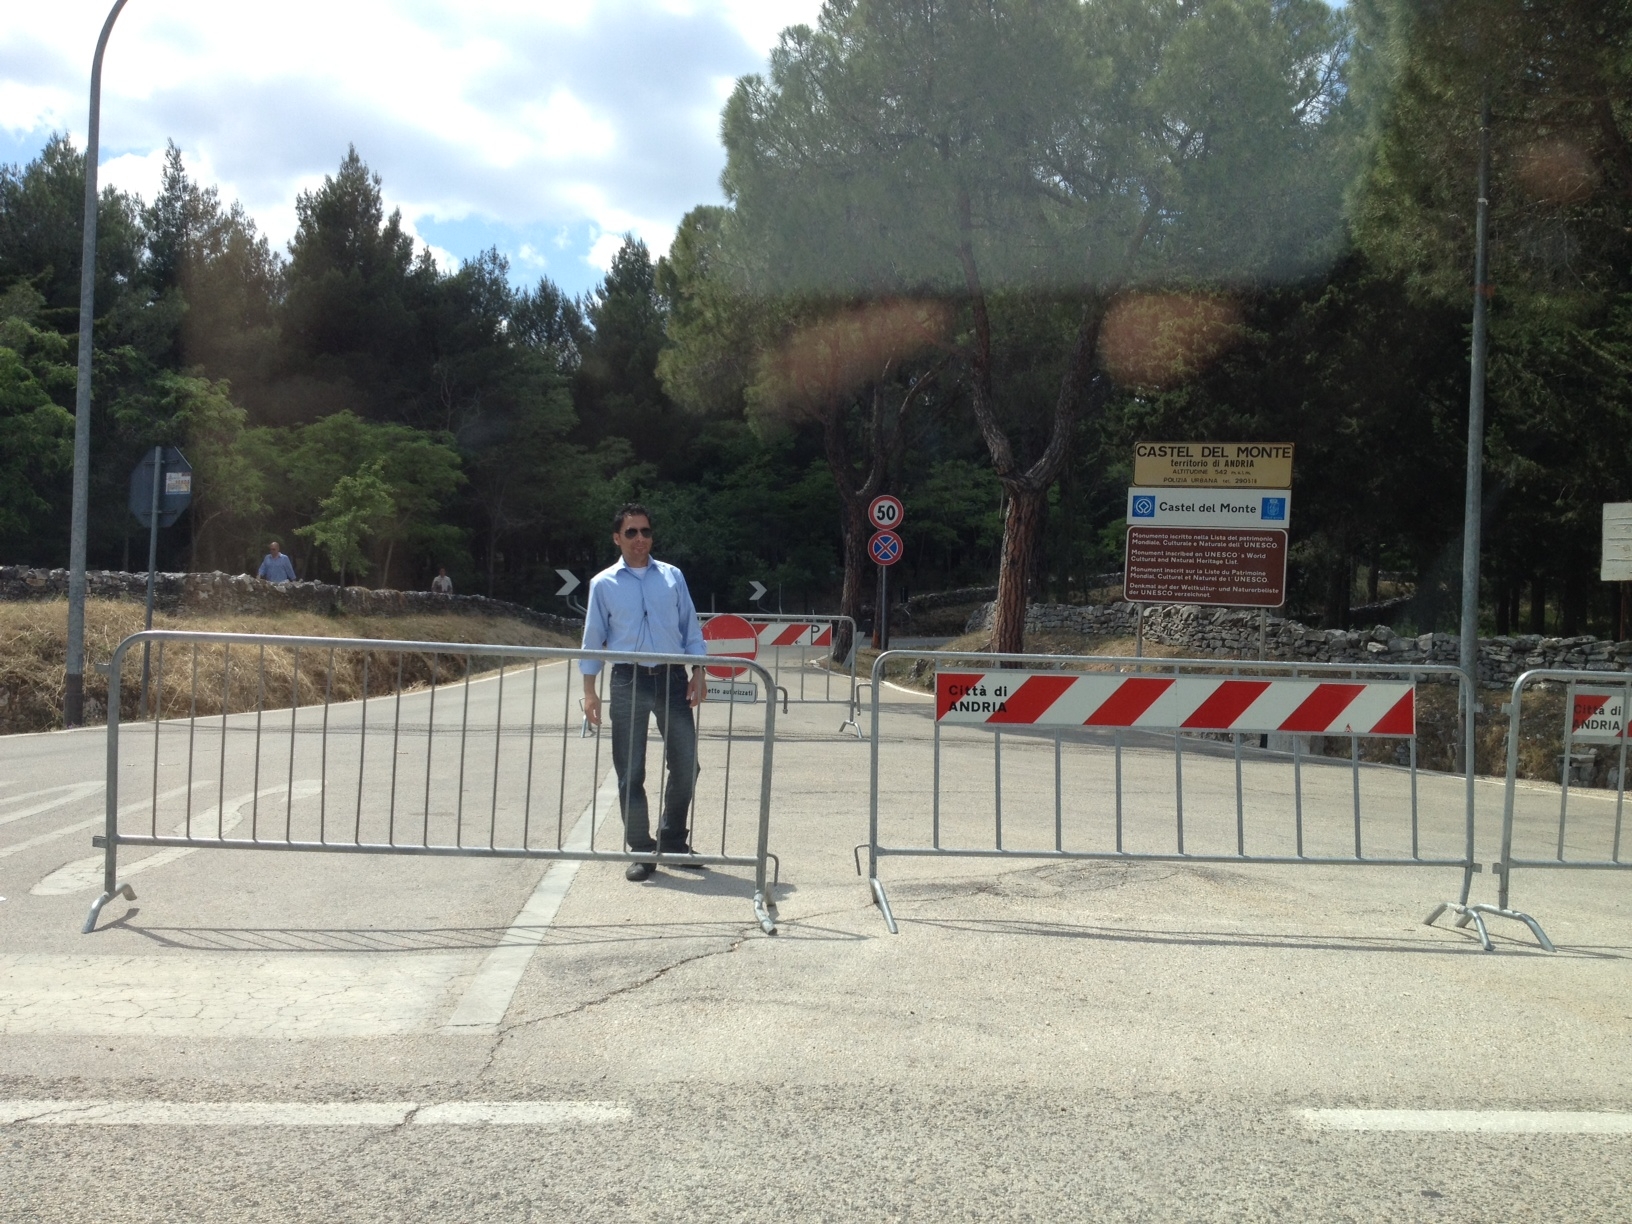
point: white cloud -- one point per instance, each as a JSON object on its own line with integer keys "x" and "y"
{"x": 590, "y": 117}
{"x": 602, "y": 250}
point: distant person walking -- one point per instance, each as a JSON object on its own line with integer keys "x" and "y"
{"x": 275, "y": 567}
{"x": 641, "y": 605}
{"x": 442, "y": 584}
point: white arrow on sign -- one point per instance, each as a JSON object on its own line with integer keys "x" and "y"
{"x": 569, "y": 582}
{"x": 759, "y": 590}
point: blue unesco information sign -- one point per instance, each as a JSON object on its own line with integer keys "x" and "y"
{"x": 1220, "y": 508}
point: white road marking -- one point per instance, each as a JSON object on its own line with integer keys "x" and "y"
{"x": 85, "y": 874}
{"x": 481, "y": 1010}
{"x": 245, "y": 995}
{"x": 310, "y": 1113}
{"x": 1472, "y": 1121}
{"x": 520, "y": 1113}
{"x": 78, "y": 791}
{"x": 19, "y": 847}
{"x": 127, "y": 810}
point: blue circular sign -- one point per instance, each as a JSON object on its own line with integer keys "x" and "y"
{"x": 885, "y": 547}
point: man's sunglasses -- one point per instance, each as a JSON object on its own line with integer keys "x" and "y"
{"x": 630, "y": 533}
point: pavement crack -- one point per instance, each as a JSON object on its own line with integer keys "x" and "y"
{"x": 56, "y": 1111}
{"x": 510, "y": 1030}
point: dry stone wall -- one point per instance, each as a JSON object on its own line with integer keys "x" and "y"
{"x": 1230, "y": 633}
{"x": 240, "y": 594}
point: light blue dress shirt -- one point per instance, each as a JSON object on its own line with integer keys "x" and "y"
{"x": 650, "y": 613}
{"x": 278, "y": 568}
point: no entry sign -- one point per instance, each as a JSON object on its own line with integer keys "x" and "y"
{"x": 1232, "y": 568}
{"x": 885, "y": 547}
{"x": 730, "y": 635}
{"x": 886, "y": 513}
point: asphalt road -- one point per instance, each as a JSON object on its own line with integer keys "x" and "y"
{"x": 286, "y": 1036}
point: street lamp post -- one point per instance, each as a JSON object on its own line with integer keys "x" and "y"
{"x": 1473, "y": 500}
{"x": 73, "y": 694}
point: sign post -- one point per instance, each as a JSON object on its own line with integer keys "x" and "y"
{"x": 161, "y": 487}
{"x": 885, "y": 548}
{"x": 886, "y": 514}
{"x": 1616, "y": 561}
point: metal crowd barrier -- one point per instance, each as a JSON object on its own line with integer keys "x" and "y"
{"x": 1593, "y": 716}
{"x": 1067, "y": 757}
{"x": 801, "y": 651}
{"x": 410, "y": 765}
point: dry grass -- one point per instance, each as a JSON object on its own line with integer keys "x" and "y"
{"x": 33, "y": 657}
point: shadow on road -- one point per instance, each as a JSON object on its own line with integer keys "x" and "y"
{"x": 1241, "y": 939}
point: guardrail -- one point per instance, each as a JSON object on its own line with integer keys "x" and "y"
{"x": 1059, "y": 757}
{"x": 411, "y": 766}
{"x": 801, "y": 649}
{"x": 1593, "y": 715}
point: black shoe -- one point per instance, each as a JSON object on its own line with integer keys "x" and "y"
{"x": 636, "y": 872}
{"x": 682, "y": 848}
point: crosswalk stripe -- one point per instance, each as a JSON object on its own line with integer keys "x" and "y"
{"x": 1472, "y": 1121}
{"x": 309, "y": 1113}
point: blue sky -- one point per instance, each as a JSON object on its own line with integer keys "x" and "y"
{"x": 546, "y": 128}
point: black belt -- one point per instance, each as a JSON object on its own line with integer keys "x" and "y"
{"x": 651, "y": 670}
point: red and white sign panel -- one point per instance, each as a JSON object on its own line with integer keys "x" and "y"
{"x": 730, "y": 635}
{"x": 886, "y": 513}
{"x": 1599, "y": 715}
{"x": 1167, "y": 703}
{"x": 778, "y": 635}
{"x": 1236, "y": 568}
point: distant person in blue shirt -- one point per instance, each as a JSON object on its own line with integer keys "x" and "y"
{"x": 275, "y": 567}
{"x": 641, "y": 605}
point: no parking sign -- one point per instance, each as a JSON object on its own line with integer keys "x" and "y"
{"x": 885, "y": 547}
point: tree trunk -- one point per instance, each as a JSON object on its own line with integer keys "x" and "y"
{"x": 855, "y": 572}
{"x": 385, "y": 570}
{"x": 1538, "y": 604}
{"x": 1021, "y": 523}
{"x": 1573, "y": 606}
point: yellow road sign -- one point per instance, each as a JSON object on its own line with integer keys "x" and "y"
{"x": 1212, "y": 465}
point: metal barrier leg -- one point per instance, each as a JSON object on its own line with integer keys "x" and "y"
{"x": 111, "y": 887}
{"x": 124, "y": 890}
{"x": 883, "y": 903}
{"x": 1476, "y": 915}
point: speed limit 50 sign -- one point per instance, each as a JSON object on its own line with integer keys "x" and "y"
{"x": 886, "y": 513}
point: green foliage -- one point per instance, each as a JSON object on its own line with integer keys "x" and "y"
{"x": 357, "y": 508}
{"x": 934, "y": 204}
{"x": 36, "y": 434}
{"x": 903, "y": 147}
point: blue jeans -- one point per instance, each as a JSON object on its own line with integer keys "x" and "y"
{"x": 637, "y": 693}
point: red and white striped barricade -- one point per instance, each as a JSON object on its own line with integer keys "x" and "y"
{"x": 1248, "y": 753}
{"x": 1177, "y": 703}
{"x": 798, "y": 652}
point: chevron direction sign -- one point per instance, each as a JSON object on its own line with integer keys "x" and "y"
{"x": 1183, "y": 703}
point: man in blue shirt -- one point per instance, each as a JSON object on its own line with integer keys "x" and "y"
{"x": 641, "y": 605}
{"x": 275, "y": 567}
